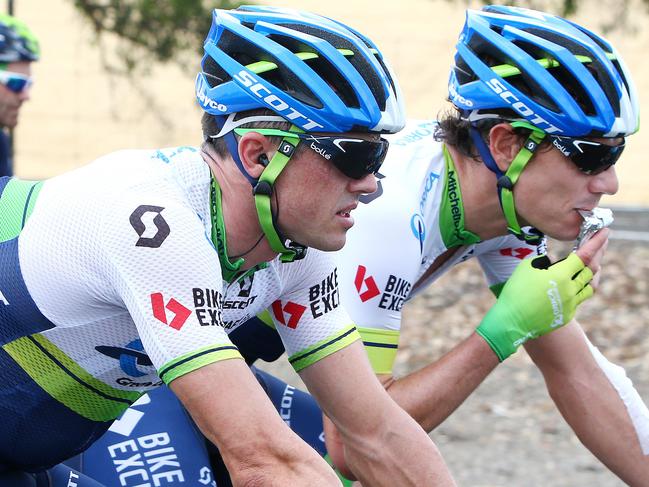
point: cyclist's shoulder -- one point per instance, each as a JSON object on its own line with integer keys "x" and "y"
{"x": 415, "y": 133}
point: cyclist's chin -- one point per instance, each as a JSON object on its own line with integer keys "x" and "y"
{"x": 563, "y": 232}
{"x": 326, "y": 243}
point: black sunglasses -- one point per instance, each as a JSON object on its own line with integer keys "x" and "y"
{"x": 589, "y": 156}
{"x": 354, "y": 157}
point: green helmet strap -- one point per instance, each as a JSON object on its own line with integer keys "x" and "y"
{"x": 263, "y": 191}
{"x": 506, "y": 183}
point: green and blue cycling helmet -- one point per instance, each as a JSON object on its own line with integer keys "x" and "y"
{"x": 546, "y": 74}
{"x": 17, "y": 42}
{"x": 311, "y": 71}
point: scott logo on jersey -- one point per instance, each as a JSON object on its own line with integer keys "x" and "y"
{"x": 144, "y": 220}
{"x": 395, "y": 290}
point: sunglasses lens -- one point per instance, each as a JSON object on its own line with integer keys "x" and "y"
{"x": 15, "y": 83}
{"x": 590, "y": 157}
{"x": 355, "y": 158}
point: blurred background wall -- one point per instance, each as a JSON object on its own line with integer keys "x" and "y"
{"x": 78, "y": 112}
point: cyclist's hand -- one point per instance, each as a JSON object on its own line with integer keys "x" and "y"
{"x": 540, "y": 297}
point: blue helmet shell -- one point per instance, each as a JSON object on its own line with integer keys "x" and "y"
{"x": 316, "y": 73}
{"x": 519, "y": 64}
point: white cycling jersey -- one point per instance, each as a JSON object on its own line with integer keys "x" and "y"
{"x": 110, "y": 284}
{"x": 401, "y": 230}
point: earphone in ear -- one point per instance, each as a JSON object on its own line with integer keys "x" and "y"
{"x": 263, "y": 160}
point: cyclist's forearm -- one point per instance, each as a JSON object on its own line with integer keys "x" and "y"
{"x": 432, "y": 393}
{"x": 597, "y": 400}
{"x": 383, "y": 446}
{"x": 256, "y": 445}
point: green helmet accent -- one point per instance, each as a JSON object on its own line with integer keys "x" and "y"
{"x": 17, "y": 41}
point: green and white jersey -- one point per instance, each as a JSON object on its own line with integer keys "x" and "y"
{"x": 110, "y": 284}
{"x": 415, "y": 216}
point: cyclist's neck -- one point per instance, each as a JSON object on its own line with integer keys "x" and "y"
{"x": 483, "y": 215}
{"x": 231, "y": 198}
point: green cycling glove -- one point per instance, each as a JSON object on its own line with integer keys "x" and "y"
{"x": 537, "y": 299}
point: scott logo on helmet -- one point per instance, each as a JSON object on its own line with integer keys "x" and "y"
{"x": 248, "y": 80}
{"x": 521, "y": 107}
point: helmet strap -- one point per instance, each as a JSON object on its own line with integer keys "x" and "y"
{"x": 263, "y": 188}
{"x": 507, "y": 180}
{"x": 263, "y": 191}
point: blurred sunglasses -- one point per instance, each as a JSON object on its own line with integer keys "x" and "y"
{"x": 353, "y": 156}
{"x": 15, "y": 82}
{"x": 589, "y": 156}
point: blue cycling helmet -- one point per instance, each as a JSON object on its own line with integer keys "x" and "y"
{"x": 311, "y": 71}
{"x": 514, "y": 63}
{"x": 316, "y": 73}
{"x": 17, "y": 42}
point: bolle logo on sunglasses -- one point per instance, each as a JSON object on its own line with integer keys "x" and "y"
{"x": 521, "y": 107}
{"x": 561, "y": 148}
{"x": 248, "y": 80}
{"x": 320, "y": 151}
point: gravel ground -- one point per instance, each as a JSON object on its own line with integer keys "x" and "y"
{"x": 509, "y": 433}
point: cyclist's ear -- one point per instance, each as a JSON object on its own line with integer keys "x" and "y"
{"x": 504, "y": 144}
{"x": 253, "y": 152}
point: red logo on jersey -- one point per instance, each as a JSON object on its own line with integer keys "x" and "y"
{"x": 519, "y": 253}
{"x": 293, "y": 310}
{"x": 372, "y": 289}
{"x": 181, "y": 313}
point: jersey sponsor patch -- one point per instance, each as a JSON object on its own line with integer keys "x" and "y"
{"x": 208, "y": 304}
{"x": 179, "y": 313}
{"x": 144, "y": 220}
{"x": 366, "y": 286}
{"x": 291, "y": 310}
{"x": 520, "y": 252}
{"x": 131, "y": 357}
{"x": 395, "y": 291}
{"x": 324, "y": 297}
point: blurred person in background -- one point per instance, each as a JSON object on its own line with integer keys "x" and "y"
{"x": 18, "y": 49}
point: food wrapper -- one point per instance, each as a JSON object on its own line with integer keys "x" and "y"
{"x": 594, "y": 220}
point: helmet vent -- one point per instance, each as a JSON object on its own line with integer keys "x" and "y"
{"x": 245, "y": 53}
{"x": 215, "y": 74}
{"x": 379, "y": 59}
{"x": 463, "y": 71}
{"x": 595, "y": 67}
{"x": 324, "y": 69}
{"x": 358, "y": 60}
{"x": 490, "y": 55}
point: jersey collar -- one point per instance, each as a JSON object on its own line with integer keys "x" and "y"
{"x": 229, "y": 270}
{"x": 452, "y": 211}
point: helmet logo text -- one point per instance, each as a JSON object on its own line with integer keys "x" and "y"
{"x": 275, "y": 102}
{"x": 521, "y": 107}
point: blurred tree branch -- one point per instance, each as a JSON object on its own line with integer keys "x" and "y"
{"x": 151, "y": 31}
{"x": 135, "y": 35}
